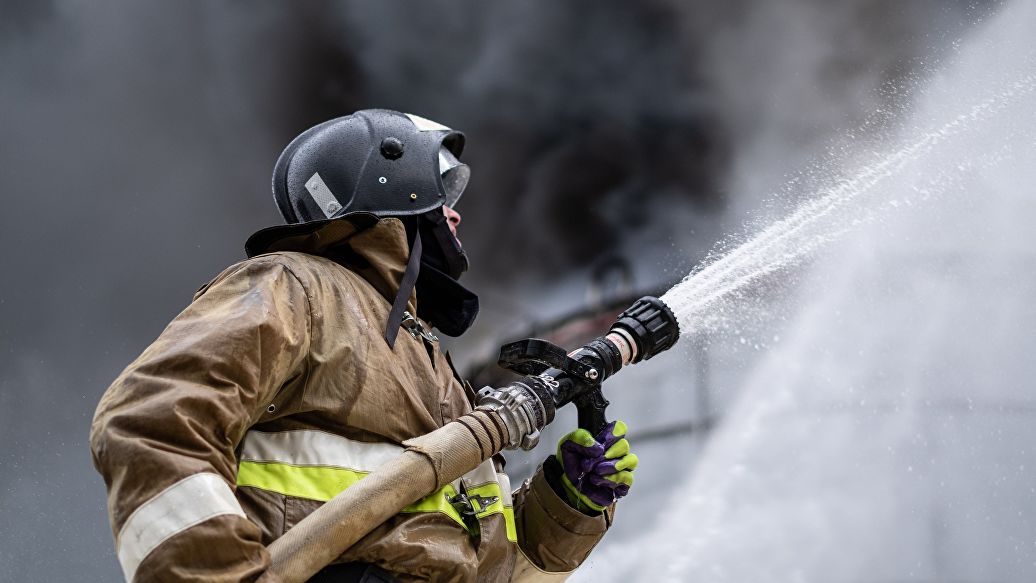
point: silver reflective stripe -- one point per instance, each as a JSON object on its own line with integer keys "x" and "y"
{"x": 426, "y": 125}
{"x": 323, "y": 196}
{"x": 186, "y": 503}
{"x": 505, "y": 488}
{"x": 485, "y": 473}
{"x": 316, "y": 448}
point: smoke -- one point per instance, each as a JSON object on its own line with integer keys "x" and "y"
{"x": 584, "y": 111}
{"x": 139, "y": 138}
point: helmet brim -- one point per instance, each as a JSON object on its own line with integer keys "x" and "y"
{"x": 310, "y": 237}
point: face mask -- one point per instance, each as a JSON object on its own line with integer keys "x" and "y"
{"x": 441, "y": 249}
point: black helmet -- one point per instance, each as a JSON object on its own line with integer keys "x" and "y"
{"x": 378, "y": 161}
{"x": 386, "y": 164}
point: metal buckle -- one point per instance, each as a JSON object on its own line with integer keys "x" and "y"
{"x": 414, "y": 327}
{"x": 462, "y": 504}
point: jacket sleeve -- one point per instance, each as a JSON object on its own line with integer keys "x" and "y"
{"x": 553, "y": 537}
{"x": 165, "y": 432}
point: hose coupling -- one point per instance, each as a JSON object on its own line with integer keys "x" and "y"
{"x": 524, "y": 406}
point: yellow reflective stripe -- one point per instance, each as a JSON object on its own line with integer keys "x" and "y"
{"x": 512, "y": 530}
{"x": 313, "y": 482}
{"x": 497, "y": 507}
{"x": 438, "y": 502}
{"x": 323, "y": 483}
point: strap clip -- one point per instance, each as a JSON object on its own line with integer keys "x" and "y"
{"x": 414, "y": 327}
{"x": 462, "y": 504}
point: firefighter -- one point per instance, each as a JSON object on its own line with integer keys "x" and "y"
{"x": 296, "y": 372}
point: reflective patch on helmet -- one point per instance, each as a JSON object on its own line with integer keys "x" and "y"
{"x": 323, "y": 196}
{"x": 426, "y": 125}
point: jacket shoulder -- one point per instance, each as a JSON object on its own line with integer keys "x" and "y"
{"x": 303, "y": 267}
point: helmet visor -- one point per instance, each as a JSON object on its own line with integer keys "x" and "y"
{"x": 455, "y": 175}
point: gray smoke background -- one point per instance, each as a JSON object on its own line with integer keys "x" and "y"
{"x": 138, "y": 138}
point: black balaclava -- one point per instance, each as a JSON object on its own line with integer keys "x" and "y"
{"x": 441, "y": 299}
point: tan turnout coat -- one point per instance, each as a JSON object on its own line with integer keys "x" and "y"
{"x": 275, "y": 389}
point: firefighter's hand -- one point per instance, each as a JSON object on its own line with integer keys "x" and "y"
{"x": 597, "y": 470}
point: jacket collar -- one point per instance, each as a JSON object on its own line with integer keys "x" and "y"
{"x": 376, "y": 249}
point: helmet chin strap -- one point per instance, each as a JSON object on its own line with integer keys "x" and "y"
{"x": 406, "y": 287}
{"x": 444, "y": 259}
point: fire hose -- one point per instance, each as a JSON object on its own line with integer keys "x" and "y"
{"x": 510, "y": 417}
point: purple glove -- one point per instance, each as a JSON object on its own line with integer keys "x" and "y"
{"x": 597, "y": 472}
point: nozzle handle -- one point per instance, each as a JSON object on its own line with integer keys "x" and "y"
{"x": 532, "y": 356}
{"x": 591, "y": 408}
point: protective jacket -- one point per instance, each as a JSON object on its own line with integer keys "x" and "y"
{"x": 274, "y": 391}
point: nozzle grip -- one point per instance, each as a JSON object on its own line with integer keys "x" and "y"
{"x": 532, "y": 356}
{"x": 591, "y": 407}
